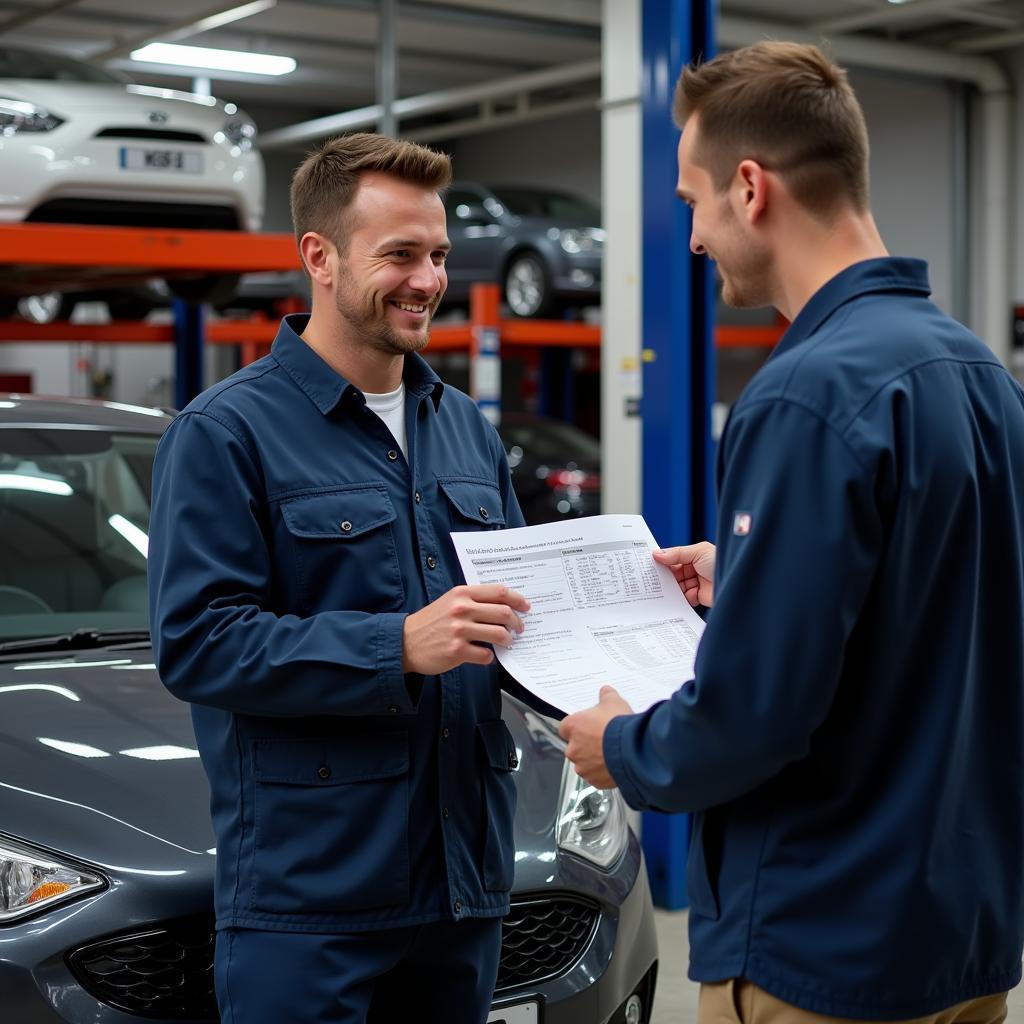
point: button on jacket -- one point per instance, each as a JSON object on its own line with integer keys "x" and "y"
{"x": 289, "y": 540}
{"x": 853, "y": 737}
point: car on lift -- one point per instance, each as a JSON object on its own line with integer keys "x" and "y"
{"x": 82, "y": 145}
{"x": 106, "y": 848}
{"x": 542, "y": 246}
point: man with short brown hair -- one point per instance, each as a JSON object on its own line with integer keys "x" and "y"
{"x": 852, "y": 740}
{"x": 305, "y": 600}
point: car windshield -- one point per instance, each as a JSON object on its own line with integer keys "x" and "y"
{"x": 51, "y": 67}
{"x": 74, "y": 524}
{"x": 551, "y": 440}
{"x": 529, "y": 202}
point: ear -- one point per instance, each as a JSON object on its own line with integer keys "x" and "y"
{"x": 317, "y": 252}
{"x": 750, "y": 190}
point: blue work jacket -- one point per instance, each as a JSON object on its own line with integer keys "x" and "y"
{"x": 854, "y": 736}
{"x": 290, "y": 538}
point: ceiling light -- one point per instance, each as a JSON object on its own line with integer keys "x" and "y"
{"x": 235, "y": 14}
{"x": 42, "y": 485}
{"x": 138, "y": 539}
{"x": 214, "y": 60}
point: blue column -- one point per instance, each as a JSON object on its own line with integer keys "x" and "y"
{"x": 678, "y": 384}
{"x": 188, "y": 351}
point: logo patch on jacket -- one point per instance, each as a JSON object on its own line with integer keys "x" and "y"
{"x": 741, "y": 523}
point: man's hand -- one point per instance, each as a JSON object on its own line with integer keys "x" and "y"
{"x": 693, "y": 566}
{"x": 584, "y": 733}
{"x": 451, "y": 630}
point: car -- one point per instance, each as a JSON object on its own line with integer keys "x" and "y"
{"x": 556, "y": 467}
{"x": 106, "y": 848}
{"x": 542, "y": 246}
{"x": 82, "y": 145}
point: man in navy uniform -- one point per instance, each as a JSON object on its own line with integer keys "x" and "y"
{"x": 305, "y": 600}
{"x": 852, "y": 741}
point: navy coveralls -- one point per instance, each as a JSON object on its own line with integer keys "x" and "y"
{"x": 854, "y": 736}
{"x": 289, "y": 540}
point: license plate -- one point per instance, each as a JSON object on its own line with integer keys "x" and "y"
{"x": 135, "y": 158}
{"x": 520, "y": 1013}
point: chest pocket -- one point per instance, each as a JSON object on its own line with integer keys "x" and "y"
{"x": 345, "y": 556}
{"x": 473, "y": 504}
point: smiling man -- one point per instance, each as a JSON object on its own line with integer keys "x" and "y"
{"x": 852, "y": 739}
{"x": 305, "y": 600}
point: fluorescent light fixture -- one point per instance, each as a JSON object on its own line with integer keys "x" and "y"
{"x": 214, "y": 60}
{"x": 78, "y": 749}
{"x": 161, "y": 753}
{"x": 22, "y": 482}
{"x": 138, "y": 539}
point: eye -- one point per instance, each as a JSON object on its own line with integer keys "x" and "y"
{"x": 401, "y": 254}
{"x": 440, "y": 257}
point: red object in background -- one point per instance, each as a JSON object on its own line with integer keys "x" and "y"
{"x": 20, "y": 383}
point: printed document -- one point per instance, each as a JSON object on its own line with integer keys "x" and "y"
{"x": 602, "y": 611}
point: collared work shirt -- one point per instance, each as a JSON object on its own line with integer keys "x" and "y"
{"x": 290, "y": 538}
{"x": 853, "y": 738}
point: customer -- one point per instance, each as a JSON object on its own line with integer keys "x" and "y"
{"x": 854, "y": 736}
{"x": 305, "y": 601}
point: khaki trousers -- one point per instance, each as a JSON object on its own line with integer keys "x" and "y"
{"x": 738, "y": 1001}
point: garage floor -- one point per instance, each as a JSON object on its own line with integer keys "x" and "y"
{"x": 676, "y": 999}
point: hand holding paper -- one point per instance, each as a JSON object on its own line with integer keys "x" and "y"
{"x": 602, "y": 610}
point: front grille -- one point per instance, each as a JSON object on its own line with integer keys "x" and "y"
{"x": 136, "y": 214}
{"x": 542, "y": 938}
{"x": 168, "y": 972}
{"x": 159, "y": 134}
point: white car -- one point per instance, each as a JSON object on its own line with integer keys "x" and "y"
{"x": 80, "y": 145}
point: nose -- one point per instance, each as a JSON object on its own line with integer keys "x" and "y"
{"x": 427, "y": 277}
{"x": 696, "y": 247}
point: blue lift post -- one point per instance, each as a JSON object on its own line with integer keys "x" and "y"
{"x": 188, "y": 351}
{"x": 678, "y": 354}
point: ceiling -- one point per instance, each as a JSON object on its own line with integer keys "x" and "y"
{"x": 445, "y": 44}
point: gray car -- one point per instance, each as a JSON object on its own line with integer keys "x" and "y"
{"x": 542, "y": 246}
{"x": 106, "y": 848}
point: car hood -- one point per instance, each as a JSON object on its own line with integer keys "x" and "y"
{"x": 97, "y": 759}
{"x": 66, "y": 99}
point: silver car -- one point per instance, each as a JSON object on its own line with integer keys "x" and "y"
{"x": 106, "y": 848}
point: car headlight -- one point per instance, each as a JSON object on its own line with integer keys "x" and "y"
{"x": 17, "y": 116}
{"x": 31, "y": 881}
{"x": 577, "y": 240}
{"x": 591, "y": 822}
{"x": 240, "y": 132}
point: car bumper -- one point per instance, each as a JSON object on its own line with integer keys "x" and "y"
{"x": 65, "y": 165}
{"x": 620, "y": 959}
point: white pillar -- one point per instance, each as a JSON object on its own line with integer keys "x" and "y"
{"x": 621, "y": 156}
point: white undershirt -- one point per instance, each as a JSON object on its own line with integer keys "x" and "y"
{"x": 390, "y": 408}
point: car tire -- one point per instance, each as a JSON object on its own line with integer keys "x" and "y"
{"x": 528, "y": 289}
{"x": 217, "y": 289}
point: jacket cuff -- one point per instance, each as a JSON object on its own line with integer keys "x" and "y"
{"x": 391, "y": 686}
{"x": 613, "y": 758}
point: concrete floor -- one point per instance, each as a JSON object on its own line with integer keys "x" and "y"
{"x": 676, "y": 999}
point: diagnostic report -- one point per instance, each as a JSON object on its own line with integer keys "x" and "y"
{"x": 602, "y": 611}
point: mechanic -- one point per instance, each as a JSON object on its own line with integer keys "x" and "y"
{"x": 852, "y": 740}
{"x": 306, "y": 601}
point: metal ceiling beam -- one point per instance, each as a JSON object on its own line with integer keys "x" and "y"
{"x": 893, "y": 14}
{"x": 991, "y": 41}
{"x": 186, "y": 27}
{"x": 35, "y": 13}
{"x": 433, "y": 102}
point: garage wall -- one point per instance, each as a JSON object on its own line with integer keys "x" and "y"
{"x": 564, "y": 153}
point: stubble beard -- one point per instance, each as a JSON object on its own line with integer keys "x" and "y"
{"x": 370, "y": 323}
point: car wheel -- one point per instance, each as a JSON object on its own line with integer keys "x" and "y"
{"x": 46, "y": 307}
{"x": 217, "y": 289}
{"x": 528, "y": 286}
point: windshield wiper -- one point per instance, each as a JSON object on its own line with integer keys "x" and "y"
{"x": 79, "y": 640}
